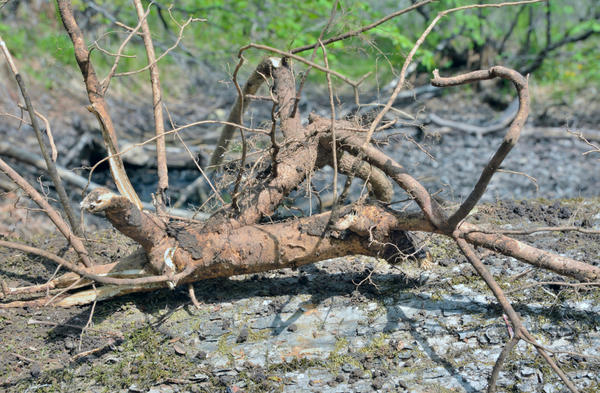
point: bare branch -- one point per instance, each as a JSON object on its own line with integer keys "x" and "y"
{"x": 62, "y": 226}
{"x": 98, "y": 105}
{"x": 362, "y": 29}
{"x": 50, "y": 166}
{"x": 510, "y": 139}
{"x": 159, "y": 122}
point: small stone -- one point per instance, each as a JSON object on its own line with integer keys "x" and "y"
{"x": 347, "y": 367}
{"x": 356, "y": 373}
{"x": 259, "y": 376}
{"x": 292, "y": 328}
{"x": 243, "y": 336}
{"x": 135, "y": 389}
{"x": 69, "y": 344}
{"x": 527, "y": 371}
{"x": 377, "y": 383}
{"x": 564, "y": 213}
{"x": 36, "y": 370}
{"x": 403, "y": 355}
{"x": 199, "y": 377}
{"x": 179, "y": 349}
{"x": 225, "y": 371}
{"x": 493, "y": 334}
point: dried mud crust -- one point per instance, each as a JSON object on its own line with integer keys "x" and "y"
{"x": 352, "y": 324}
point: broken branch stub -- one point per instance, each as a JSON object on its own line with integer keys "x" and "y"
{"x": 254, "y": 82}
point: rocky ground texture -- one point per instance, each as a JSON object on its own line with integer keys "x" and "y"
{"x": 355, "y": 324}
{"x": 350, "y": 325}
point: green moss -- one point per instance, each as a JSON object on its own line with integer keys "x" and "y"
{"x": 258, "y": 335}
{"x": 339, "y": 356}
{"x": 293, "y": 365}
{"x": 442, "y": 247}
{"x": 145, "y": 360}
{"x": 224, "y": 348}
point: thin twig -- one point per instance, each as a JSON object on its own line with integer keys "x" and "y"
{"x": 240, "y": 120}
{"x": 185, "y": 146}
{"x": 48, "y": 133}
{"x": 159, "y": 122}
{"x": 113, "y": 69}
{"x": 92, "y": 351}
{"x": 303, "y": 60}
{"x": 54, "y": 216}
{"x": 533, "y": 179}
{"x": 89, "y": 321}
{"x": 362, "y": 29}
{"x": 333, "y": 134}
{"x": 166, "y": 52}
{"x": 313, "y": 55}
{"x": 51, "y": 167}
{"x": 98, "y": 278}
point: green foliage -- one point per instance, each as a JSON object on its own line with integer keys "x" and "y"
{"x": 227, "y": 26}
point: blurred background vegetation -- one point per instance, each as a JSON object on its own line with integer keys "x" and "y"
{"x": 556, "y": 41}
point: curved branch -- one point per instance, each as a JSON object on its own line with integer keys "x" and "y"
{"x": 254, "y": 82}
{"x": 510, "y": 139}
{"x": 62, "y": 226}
{"x": 377, "y": 180}
{"x": 362, "y": 29}
{"x": 98, "y": 105}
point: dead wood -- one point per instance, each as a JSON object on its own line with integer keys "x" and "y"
{"x": 98, "y": 104}
{"x": 254, "y": 82}
{"x": 506, "y": 118}
{"x": 75, "y": 180}
{"x": 244, "y": 236}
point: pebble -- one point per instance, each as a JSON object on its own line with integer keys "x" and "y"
{"x": 35, "y": 370}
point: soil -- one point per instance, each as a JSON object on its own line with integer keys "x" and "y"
{"x": 352, "y": 324}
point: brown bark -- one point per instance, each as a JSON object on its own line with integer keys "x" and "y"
{"x": 159, "y": 123}
{"x": 98, "y": 105}
{"x": 235, "y": 241}
{"x": 254, "y": 82}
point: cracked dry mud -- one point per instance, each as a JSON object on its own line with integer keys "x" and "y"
{"x": 409, "y": 327}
